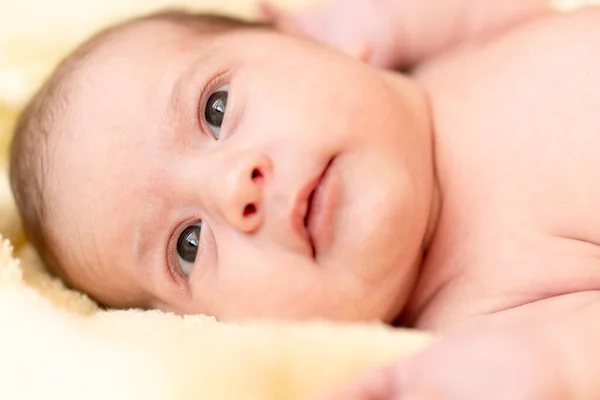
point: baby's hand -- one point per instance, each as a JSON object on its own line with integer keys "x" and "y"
{"x": 487, "y": 365}
{"x": 361, "y": 28}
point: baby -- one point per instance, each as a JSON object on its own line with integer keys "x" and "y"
{"x": 199, "y": 164}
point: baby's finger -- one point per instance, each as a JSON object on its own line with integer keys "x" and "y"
{"x": 269, "y": 12}
{"x": 277, "y": 16}
{"x": 379, "y": 384}
{"x": 360, "y": 52}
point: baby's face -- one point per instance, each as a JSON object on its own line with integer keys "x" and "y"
{"x": 245, "y": 175}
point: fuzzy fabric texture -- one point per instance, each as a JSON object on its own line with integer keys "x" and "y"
{"x": 57, "y": 343}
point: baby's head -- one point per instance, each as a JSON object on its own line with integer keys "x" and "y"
{"x": 200, "y": 164}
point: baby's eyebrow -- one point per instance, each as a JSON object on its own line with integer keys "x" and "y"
{"x": 180, "y": 109}
{"x": 141, "y": 237}
{"x": 175, "y": 103}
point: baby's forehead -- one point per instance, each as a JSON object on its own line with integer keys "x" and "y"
{"x": 140, "y": 38}
{"x": 170, "y": 27}
{"x": 118, "y": 87}
{"x": 130, "y": 59}
{"x": 160, "y": 33}
{"x": 126, "y": 88}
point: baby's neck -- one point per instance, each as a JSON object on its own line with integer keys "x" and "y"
{"x": 434, "y": 213}
{"x": 417, "y": 97}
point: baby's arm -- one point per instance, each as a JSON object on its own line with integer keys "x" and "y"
{"x": 425, "y": 28}
{"x": 401, "y": 33}
{"x": 548, "y": 359}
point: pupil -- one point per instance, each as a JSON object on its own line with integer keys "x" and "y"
{"x": 187, "y": 245}
{"x": 216, "y": 108}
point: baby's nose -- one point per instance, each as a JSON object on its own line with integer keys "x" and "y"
{"x": 242, "y": 190}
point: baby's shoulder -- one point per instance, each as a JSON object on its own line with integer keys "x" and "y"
{"x": 557, "y": 32}
{"x": 564, "y": 34}
{"x": 544, "y": 72}
{"x": 517, "y": 155}
{"x": 553, "y": 43}
{"x": 584, "y": 21}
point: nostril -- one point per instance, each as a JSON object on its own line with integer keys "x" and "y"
{"x": 249, "y": 210}
{"x": 256, "y": 174}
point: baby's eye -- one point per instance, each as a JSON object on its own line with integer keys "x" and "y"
{"x": 215, "y": 110}
{"x": 187, "y": 248}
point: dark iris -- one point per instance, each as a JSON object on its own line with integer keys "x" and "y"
{"x": 188, "y": 242}
{"x": 215, "y": 108}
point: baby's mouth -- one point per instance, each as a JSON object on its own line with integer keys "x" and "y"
{"x": 307, "y": 218}
{"x": 317, "y": 220}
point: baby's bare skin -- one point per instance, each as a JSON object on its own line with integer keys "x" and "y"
{"x": 515, "y": 145}
{"x": 518, "y": 163}
{"x": 513, "y": 272}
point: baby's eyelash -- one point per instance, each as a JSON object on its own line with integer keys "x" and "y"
{"x": 171, "y": 256}
{"x": 216, "y": 82}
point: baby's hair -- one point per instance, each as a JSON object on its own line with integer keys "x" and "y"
{"x": 45, "y": 116}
